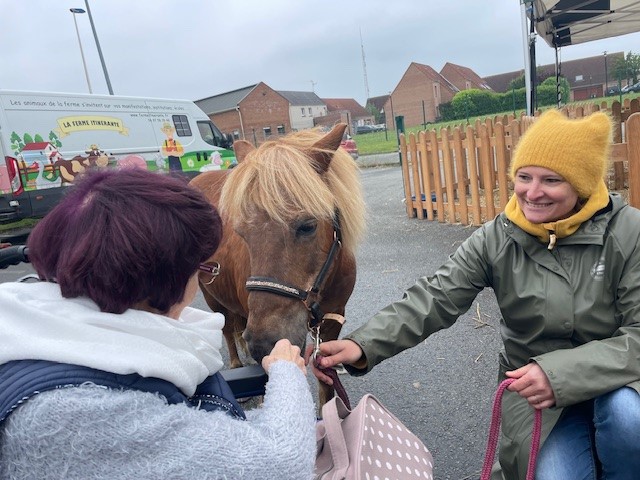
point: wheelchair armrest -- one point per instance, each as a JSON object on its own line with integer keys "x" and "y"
{"x": 246, "y": 381}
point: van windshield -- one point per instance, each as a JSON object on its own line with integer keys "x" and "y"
{"x": 210, "y": 134}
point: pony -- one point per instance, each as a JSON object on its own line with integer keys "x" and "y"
{"x": 293, "y": 215}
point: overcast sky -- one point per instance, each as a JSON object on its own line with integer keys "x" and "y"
{"x": 198, "y": 48}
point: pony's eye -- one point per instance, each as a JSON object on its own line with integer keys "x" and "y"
{"x": 306, "y": 228}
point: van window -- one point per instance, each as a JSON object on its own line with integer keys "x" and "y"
{"x": 210, "y": 134}
{"x": 181, "y": 123}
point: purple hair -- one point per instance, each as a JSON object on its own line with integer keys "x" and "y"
{"x": 121, "y": 237}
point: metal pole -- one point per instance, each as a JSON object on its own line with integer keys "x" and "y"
{"x": 606, "y": 75}
{"x": 527, "y": 60}
{"x": 558, "y": 91}
{"x": 532, "y": 57}
{"x": 95, "y": 35}
{"x": 84, "y": 63}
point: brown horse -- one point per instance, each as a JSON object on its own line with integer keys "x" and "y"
{"x": 293, "y": 215}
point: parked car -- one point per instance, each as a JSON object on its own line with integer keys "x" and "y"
{"x": 349, "y": 144}
{"x": 613, "y": 90}
{"x": 364, "y": 129}
{"x": 632, "y": 87}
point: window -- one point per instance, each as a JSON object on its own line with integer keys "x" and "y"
{"x": 579, "y": 78}
{"x": 182, "y": 125}
{"x": 210, "y": 133}
{"x": 266, "y": 131}
{"x": 302, "y": 109}
{"x": 280, "y": 129}
{"x": 309, "y": 110}
{"x": 236, "y": 135}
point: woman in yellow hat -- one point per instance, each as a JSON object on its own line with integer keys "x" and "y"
{"x": 564, "y": 263}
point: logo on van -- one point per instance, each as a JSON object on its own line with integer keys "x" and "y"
{"x": 79, "y": 123}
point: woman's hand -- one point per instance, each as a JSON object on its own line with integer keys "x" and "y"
{"x": 333, "y": 353}
{"x": 533, "y": 385}
{"x": 283, "y": 350}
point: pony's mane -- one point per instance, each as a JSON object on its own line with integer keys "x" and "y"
{"x": 279, "y": 178}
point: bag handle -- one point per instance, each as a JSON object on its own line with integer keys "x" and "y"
{"x": 494, "y": 431}
{"x": 337, "y": 383}
{"x": 333, "y": 412}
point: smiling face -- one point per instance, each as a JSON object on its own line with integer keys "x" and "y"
{"x": 543, "y": 195}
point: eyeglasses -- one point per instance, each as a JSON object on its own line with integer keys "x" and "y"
{"x": 213, "y": 270}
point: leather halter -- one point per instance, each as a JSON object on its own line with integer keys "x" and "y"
{"x": 308, "y": 297}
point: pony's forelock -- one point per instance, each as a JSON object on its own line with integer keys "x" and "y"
{"x": 279, "y": 178}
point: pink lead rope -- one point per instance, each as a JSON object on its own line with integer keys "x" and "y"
{"x": 494, "y": 431}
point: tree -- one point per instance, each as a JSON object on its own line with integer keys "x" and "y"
{"x": 627, "y": 68}
{"x": 633, "y": 66}
{"x": 371, "y": 108}
{"x": 519, "y": 82}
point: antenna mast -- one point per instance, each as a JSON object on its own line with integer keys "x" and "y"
{"x": 364, "y": 68}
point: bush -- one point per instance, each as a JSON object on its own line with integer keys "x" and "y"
{"x": 447, "y": 112}
{"x": 474, "y": 102}
{"x": 513, "y": 100}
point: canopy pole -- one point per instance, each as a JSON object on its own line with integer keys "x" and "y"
{"x": 532, "y": 56}
{"x": 558, "y": 89}
{"x": 527, "y": 60}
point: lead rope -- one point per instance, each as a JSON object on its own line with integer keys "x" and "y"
{"x": 337, "y": 383}
{"x": 494, "y": 431}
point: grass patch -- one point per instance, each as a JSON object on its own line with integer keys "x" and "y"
{"x": 376, "y": 142}
{"x": 19, "y": 225}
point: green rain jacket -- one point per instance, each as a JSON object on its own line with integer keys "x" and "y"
{"x": 575, "y": 310}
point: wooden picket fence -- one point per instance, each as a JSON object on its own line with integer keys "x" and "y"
{"x": 461, "y": 175}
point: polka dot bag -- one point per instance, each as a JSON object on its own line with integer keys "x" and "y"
{"x": 368, "y": 443}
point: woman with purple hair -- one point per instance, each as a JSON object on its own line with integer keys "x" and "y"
{"x": 106, "y": 372}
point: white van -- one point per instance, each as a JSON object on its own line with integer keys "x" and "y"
{"x": 47, "y": 139}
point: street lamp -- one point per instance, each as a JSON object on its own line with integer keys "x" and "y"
{"x": 84, "y": 63}
{"x": 606, "y": 75}
{"x": 95, "y": 35}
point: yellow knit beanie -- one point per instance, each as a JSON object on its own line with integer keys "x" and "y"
{"x": 577, "y": 150}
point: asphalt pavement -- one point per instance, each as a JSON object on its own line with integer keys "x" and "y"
{"x": 441, "y": 389}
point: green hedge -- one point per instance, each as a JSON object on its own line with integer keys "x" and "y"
{"x": 475, "y": 102}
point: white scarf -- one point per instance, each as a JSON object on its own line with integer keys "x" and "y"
{"x": 37, "y": 323}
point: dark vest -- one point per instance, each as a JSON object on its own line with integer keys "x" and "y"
{"x": 22, "y": 379}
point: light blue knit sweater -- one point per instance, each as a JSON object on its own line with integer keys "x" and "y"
{"x": 92, "y": 433}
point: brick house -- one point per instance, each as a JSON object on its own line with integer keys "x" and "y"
{"x": 345, "y": 110}
{"x": 463, "y": 78}
{"x": 418, "y": 96}
{"x": 257, "y": 112}
{"x": 253, "y": 113}
{"x": 586, "y": 76}
{"x": 376, "y": 104}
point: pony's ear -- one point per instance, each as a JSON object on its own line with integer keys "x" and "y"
{"x": 242, "y": 148}
{"x": 329, "y": 143}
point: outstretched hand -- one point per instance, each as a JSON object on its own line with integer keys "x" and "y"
{"x": 331, "y": 354}
{"x": 533, "y": 385}
{"x": 283, "y": 350}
